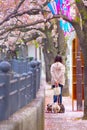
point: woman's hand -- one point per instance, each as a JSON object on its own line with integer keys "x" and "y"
{"x": 56, "y": 83}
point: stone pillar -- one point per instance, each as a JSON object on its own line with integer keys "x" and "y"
{"x": 5, "y": 77}
{"x": 32, "y": 68}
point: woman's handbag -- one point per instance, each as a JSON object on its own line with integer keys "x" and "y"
{"x": 57, "y": 90}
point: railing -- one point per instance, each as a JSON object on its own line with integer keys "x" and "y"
{"x": 17, "y": 89}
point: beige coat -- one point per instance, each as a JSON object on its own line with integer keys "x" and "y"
{"x": 58, "y": 73}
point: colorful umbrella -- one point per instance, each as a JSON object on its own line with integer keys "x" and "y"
{"x": 62, "y": 7}
{"x": 66, "y": 26}
{"x": 52, "y": 7}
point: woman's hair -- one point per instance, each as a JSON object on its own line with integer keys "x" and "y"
{"x": 58, "y": 58}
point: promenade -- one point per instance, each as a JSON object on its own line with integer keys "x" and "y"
{"x": 70, "y": 120}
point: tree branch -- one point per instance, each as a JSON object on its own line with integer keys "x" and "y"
{"x": 14, "y": 12}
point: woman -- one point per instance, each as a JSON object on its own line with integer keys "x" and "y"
{"x": 58, "y": 77}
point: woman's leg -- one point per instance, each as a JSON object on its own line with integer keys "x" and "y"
{"x": 54, "y": 98}
{"x": 58, "y": 99}
{"x": 60, "y": 96}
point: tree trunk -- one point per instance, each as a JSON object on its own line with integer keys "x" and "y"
{"x": 48, "y": 58}
{"x": 48, "y": 62}
{"x": 83, "y": 44}
{"x": 85, "y": 83}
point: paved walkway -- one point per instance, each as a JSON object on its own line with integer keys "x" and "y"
{"x": 70, "y": 120}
